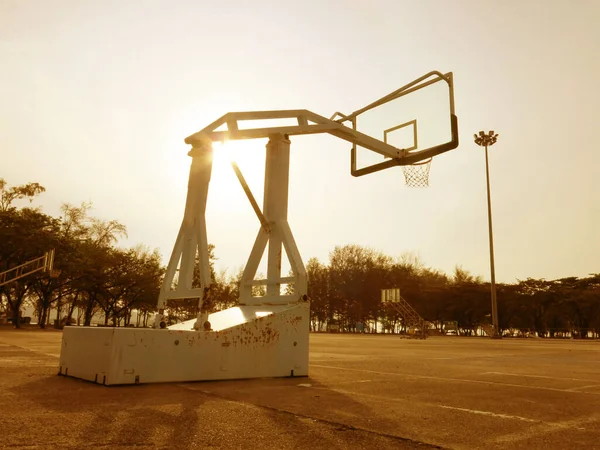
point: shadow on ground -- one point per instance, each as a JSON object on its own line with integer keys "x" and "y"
{"x": 39, "y": 407}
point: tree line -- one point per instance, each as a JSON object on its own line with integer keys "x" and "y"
{"x": 348, "y": 291}
{"x": 90, "y": 275}
{"x": 94, "y": 277}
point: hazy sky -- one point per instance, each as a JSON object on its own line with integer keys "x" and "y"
{"x": 97, "y": 97}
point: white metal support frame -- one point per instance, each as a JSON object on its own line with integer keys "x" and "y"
{"x": 265, "y": 336}
{"x": 277, "y": 234}
{"x": 191, "y": 242}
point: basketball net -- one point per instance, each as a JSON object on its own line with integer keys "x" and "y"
{"x": 417, "y": 175}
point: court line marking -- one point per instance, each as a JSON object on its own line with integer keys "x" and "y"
{"x": 489, "y": 413}
{"x": 459, "y": 380}
{"x": 352, "y": 382}
{"x": 385, "y": 399}
{"x": 547, "y": 426}
{"x": 584, "y": 387}
{"x": 570, "y": 424}
{"x": 338, "y": 383}
{"x": 539, "y": 427}
{"x": 539, "y": 376}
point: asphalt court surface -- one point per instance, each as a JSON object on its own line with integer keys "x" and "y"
{"x": 364, "y": 391}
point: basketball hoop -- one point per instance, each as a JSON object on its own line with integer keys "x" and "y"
{"x": 417, "y": 174}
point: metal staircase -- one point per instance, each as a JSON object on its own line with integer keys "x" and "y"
{"x": 410, "y": 317}
{"x": 487, "y": 329}
{"x": 43, "y": 263}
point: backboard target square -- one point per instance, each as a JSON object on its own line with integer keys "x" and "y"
{"x": 400, "y": 135}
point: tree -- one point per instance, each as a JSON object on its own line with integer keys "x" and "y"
{"x": 106, "y": 232}
{"x": 357, "y": 275}
{"x": 318, "y": 293}
{"x": 462, "y": 276}
{"x": 25, "y": 234}
{"x": 132, "y": 276}
{"x": 93, "y": 258}
{"x": 226, "y": 290}
{"x": 539, "y": 297}
{"x": 9, "y": 194}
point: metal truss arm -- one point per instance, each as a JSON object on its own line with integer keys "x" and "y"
{"x": 307, "y": 122}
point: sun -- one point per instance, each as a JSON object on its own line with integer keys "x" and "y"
{"x": 250, "y": 158}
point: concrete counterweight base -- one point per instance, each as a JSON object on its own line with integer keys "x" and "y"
{"x": 245, "y": 342}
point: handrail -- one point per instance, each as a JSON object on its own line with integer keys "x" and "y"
{"x": 45, "y": 263}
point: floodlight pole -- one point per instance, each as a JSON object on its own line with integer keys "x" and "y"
{"x": 485, "y": 140}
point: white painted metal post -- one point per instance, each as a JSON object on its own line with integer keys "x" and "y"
{"x": 275, "y": 207}
{"x": 192, "y": 239}
{"x": 278, "y": 233}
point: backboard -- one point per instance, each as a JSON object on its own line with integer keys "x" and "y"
{"x": 421, "y": 125}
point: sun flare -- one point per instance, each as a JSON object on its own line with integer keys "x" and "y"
{"x": 250, "y": 158}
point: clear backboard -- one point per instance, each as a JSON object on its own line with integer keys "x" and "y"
{"x": 418, "y": 119}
